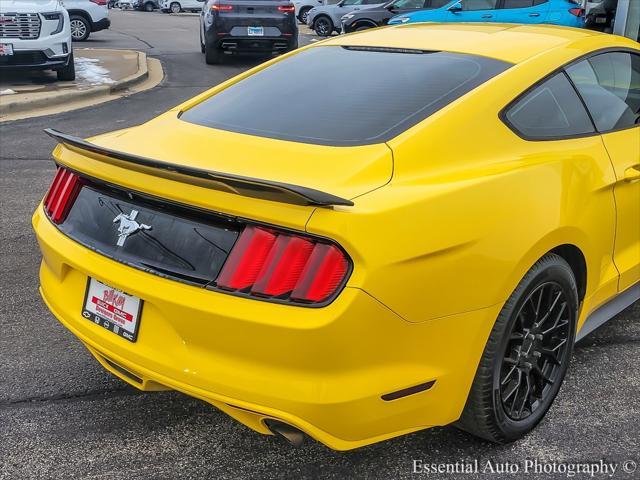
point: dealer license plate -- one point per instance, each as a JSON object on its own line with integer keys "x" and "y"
{"x": 6, "y": 49}
{"x": 255, "y": 31}
{"x": 113, "y": 309}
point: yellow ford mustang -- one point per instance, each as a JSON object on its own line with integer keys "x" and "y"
{"x": 376, "y": 234}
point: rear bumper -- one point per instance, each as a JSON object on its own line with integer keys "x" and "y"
{"x": 322, "y": 370}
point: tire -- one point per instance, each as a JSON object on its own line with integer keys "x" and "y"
{"x": 68, "y": 72}
{"x": 303, "y": 15}
{"x": 212, "y": 55}
{"x": 323, "y": 26}
{"x": 202, "y": 48}
{"x": 175, "y": 7}
{"x": 530, "y": 346}
{"x": 148, "y": 7}
{"x": 293, "y": 46}
{"x": 80, "y": 28}
{"x": 365, "y": 26}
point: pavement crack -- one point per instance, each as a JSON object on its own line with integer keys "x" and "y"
{"x": 88, "y": 395}
{"x": 131, "y": 35}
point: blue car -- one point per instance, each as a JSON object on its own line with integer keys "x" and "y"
{"x": 557, "y": 12}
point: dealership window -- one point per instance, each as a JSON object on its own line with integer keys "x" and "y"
{"x": 551, "y": 110}
{"x": 627, "y": 20}
{"x": 609, "y": 83}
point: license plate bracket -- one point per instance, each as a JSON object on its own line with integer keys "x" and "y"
{"x": 112, "y": 309}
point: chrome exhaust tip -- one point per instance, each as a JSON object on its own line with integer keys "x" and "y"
{"x": 291, "y": 434}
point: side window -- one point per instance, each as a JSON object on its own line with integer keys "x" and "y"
{"x": 539, "y": 2}
{"x": 402, "y": 4}
{"x": 517, "y": 4}
{"x": 550, "y": 110}
{"x": 478, "y": 4}
{"x": 436, "y": 3}
{"x": 609, "y": 83}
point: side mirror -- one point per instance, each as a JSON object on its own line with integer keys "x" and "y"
{"x": 455, "y": 8}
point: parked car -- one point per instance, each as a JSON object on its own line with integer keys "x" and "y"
{"x": 558, "y": 12}
{"x": 378, "y": 16}
{"x": 303, "y": 7}
{"x": 146, "y": 5}
{"x": 87, "y": 16}
{"x": 247, "y": 26}
{"x": 600, "y": 14}
{"x": 419, "y": 242}
{"x": 177, "y": 6}
{"x": 36, "y": 35}
{"x": 325, "y": 20}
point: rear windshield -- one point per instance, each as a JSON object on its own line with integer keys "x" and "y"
{"x": 344, "y": 95}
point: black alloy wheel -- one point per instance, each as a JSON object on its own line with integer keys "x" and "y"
{"x": 526, "y": 356}
{"x": 323, "y": 26}
{"x": 304, "y": 15}
{"x": 536, "y": 349}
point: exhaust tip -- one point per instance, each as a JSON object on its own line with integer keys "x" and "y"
{"x": 291, "y": 434}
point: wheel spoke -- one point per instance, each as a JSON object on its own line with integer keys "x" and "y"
{"x": 508, "y": 375}
{"x": 525, "y": 398}
{"x": 515, "y": 389}
{"x": 550, "y": 310}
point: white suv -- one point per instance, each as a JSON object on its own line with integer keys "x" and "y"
{"x": 177, "y": 6}
{"x": 86, "y": 16}
{"x": 36, "y": 34}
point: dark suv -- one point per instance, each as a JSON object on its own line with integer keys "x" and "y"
{"x": 228, "y": 26}
{"x": 379, "y": 16}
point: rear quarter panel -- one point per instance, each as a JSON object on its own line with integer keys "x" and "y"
{"x": 472, "y": 207}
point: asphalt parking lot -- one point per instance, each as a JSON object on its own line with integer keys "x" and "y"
{"x": 63, "y": 416}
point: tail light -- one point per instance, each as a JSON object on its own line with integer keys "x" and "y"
{"x": 61, "y": 195}
{"x": 99, "y": 2}
{"x": 221, "y": 7}
{"x": 267, "y": 263}
{"x": 287, "y": 8}
{"x": 578, "y": 12}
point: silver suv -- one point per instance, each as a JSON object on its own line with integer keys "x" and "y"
{"x": 326, "y": 19}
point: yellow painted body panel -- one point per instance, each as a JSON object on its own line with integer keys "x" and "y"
{"x": 624, "y": 149}
{"x": 447, "y": 218}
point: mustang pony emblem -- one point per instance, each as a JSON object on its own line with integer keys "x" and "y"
{"x": 128, "y": 226}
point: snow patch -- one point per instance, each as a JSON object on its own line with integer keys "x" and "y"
{"x": 89, "y": 71}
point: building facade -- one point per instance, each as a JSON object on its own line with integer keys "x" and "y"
{"x": 627, "y": 21}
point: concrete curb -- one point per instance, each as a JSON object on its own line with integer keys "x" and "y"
{"x": 14, "y": 105}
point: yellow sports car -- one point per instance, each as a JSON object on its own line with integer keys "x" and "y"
{"x": 373, "y": 235}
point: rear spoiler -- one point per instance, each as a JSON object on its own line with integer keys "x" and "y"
{"x": 246, "y": 186}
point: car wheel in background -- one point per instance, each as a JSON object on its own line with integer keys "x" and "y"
{"x": 68, "y": 72}
{"x": 303, "y": 16}
{"x": 212, "y": 55}
{"x": 323, "y": 26}
{"x": 148, "y": 7}
{"x": 80, "y": 28}
{"x": 175, "y": 7}
{"x": 527, "y": 355}
{"x": 363, "y": 27}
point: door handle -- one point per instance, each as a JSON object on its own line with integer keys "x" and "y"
{"x": 488, "y": 15}
{"x": 632, "y": 174}
{"x": 534, "y": 14}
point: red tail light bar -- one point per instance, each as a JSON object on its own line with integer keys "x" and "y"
{"x": 61, "y": 195}
{"x": 287, "y": 8}
{"x": 221, "y": 8}
{"x": 578, "y": 12}
{"x": 285, "y": 266}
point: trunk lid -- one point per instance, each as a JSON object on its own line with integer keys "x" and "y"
{"x": 345, "y": 172}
